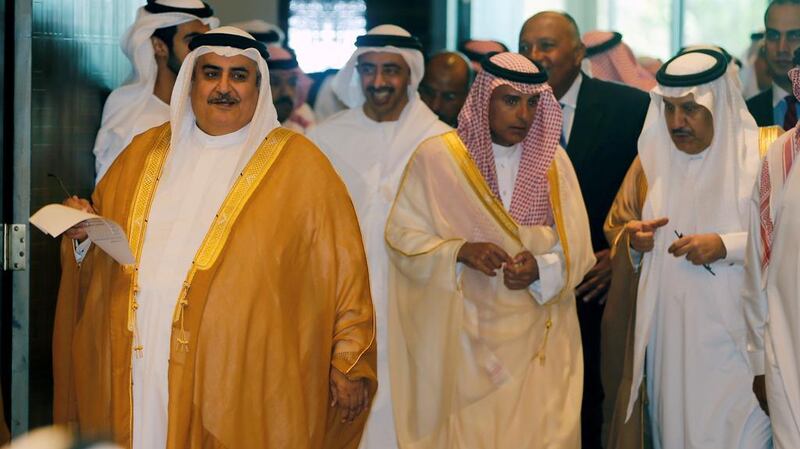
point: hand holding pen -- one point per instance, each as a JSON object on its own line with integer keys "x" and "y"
{"x": 699, "y": 249}
{"x": 77, "y": 232}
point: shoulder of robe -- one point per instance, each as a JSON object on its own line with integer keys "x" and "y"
{"x": 437, "y": 142}
{"x": 434, "y": 146}
{"x": 295, "y": 142}
{"x": 136, "y": 152}
{"x": 147, "y": 140}
{"x": 640, "y": 179}
{"x": 766, "y": 136}
{"x": 330, "y": 123}
{"x": 561, "y": 155}
{"x": 561, "y": 161}
{"x": 300, "y": 145}
{"x": 300, "y": 151}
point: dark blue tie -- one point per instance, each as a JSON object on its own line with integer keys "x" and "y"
{"x": 563, "y": 140}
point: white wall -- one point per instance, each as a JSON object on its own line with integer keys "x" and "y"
{"x": 239, "y": 10}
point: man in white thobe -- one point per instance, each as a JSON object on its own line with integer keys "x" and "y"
{"x": 772, "y": 287}
{"x": 699, "y": 153}
{"x": 369, "y": 145}
{"x": 155, "y": 44}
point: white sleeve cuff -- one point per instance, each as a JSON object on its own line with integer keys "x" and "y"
{"x": 756, "y": 359}
{"x": 81, "y": 249}
{"x": 636, "y": 259}
{"x": 735, "y": 247}
{"x": 551, "y": 276}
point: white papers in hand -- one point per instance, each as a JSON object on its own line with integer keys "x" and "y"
{"x": 55, "y": 219}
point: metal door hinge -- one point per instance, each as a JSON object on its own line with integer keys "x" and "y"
{"x": 15, "y": 254}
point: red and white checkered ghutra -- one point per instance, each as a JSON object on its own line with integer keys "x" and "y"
{"x": 530, "y": 202}
{"x": 770, "y": 183}
{"x": 617, "y": 64}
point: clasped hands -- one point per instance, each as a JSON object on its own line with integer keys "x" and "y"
{"x": 519, "y": 272}
{"x": 699, "y": 249}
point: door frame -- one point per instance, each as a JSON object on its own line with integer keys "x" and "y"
{"x": 20, "y": 27}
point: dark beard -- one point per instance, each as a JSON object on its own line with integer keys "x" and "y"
{"x": 284, "y": 104}
{"x": 173, "y": 64}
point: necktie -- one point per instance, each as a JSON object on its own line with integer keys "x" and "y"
{"x": 563, "y": 140}
{"x": 790, "y": 119}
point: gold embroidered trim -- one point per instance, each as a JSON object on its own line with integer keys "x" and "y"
{"x": 558, "y": 217}
{"x": 349, "y": 357}
{"x": 249, "y": 179}
{"x": 137, "y": 222}
{"x": 479, "y": 185}
{"x": 767, "y": 135}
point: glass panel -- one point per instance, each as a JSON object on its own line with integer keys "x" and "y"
{"x": 503, "y": 24}
{"x": 75, "y": 61}
{"x": 323, "y": 32}
{"x": 645, "y": 25}
{"x": 727, "y": 23}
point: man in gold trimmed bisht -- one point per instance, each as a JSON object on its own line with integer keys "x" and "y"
{"x": 488, "y": 239}
{"x": 247, "y": 312}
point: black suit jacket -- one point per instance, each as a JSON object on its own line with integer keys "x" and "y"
{"x": 761, "y": 109}
{"x": 603, "y": 143}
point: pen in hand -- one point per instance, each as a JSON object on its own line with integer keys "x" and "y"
{"x": 706, "y": 266}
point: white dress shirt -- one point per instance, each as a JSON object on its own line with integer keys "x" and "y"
{"x": 569, "y": 101}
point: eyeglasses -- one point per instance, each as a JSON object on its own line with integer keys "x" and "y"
{"x": 60, "y": 183}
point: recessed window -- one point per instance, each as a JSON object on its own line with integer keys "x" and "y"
{"x": 645, "y": 26}
{"x": 727, "y": 23}
{"x": 650, "y": 27}
{"x": 323, "y": 32}
{"x": 503, "y": 24}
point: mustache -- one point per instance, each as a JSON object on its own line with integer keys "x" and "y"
{"x": 223, "y": 98}
{"x": 379, "y": 90}
{"x": 681, "y": 132}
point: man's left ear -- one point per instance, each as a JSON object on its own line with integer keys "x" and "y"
{"x": 160, "y": 49}
{"x": 580, "y": 53}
